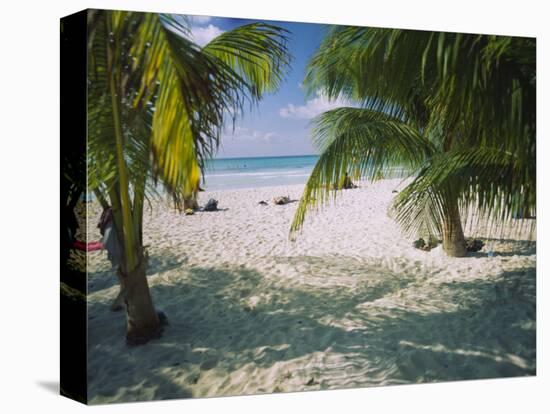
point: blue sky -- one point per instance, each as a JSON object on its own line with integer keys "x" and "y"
{"x": 280, "y": 124}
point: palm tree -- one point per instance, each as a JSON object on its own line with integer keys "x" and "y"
{"x": 456, "y": 111}
{"x": 157, "y": 103}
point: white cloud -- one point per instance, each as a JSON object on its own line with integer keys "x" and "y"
{"x": 250, "y": 142}
{"x": 203, "y": 35}
{"x": 247, "y": 134}
{"x": 272, "y": 137}
{"x": 200, "y": 19}
{"x": 312, "y": 108}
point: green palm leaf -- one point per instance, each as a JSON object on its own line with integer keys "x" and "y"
{"x": 489, "y": 181}
{"x": 256, "y": 52}
{"x": 362, "y": 143}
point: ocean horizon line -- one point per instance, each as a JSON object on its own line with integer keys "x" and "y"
{"x": 263, "y": 156}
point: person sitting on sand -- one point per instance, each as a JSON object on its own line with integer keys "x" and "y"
{"x": 345, "y": 184}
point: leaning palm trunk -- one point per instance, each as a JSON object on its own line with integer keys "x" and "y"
{"x": 142, "y": 320}
{"x": 454, "y": 243}
{"x": 142, "y": 323}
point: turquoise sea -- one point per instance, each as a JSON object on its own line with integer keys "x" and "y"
{"x": 232, "y": 173}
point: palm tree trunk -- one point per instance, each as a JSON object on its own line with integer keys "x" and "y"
{"x": 142, "y": 319}
{"x": 454, "y": 243}
{"x": 142, "y": 323}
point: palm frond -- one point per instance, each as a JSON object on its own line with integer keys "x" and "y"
{"x": 480, "y": 88}
{"x": 256, "y": 52}
{"x": 484, "y": 90}
{"x": 136, "y": 117}
{"x": 199, "y": 87}
{"x": 361, "y": 143}
{"x": 488, "y": 182}
{"x": 379, "y": 68}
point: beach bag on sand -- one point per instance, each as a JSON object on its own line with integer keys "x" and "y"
{"x": 212, "y": 205}
{"x": 282, "y": 200}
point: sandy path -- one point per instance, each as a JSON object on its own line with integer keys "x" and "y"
{"x": 350, "y": 303}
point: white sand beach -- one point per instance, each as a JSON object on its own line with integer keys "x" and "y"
{"x": 350, "y": 303}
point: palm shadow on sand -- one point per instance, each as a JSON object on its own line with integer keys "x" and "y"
{"x": 160, "y": 262}
{"x": 412, "y": 346}
{"x": 514, "y": 248}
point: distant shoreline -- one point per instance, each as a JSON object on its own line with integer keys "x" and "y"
{"x": 264, "y": 156}
{"x": 250, "y": 172}
{"x": 255, "y": 172}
